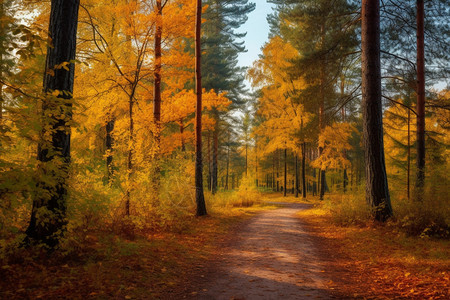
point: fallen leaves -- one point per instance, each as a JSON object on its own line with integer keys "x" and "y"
{"x": 374, "y": 263}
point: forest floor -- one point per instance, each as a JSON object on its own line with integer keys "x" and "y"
{"x": 292, "y": 252}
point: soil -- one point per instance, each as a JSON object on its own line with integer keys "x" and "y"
{"x": 272, "y": 256}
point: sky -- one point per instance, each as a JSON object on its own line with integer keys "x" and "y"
{"x": 257, "y": 30}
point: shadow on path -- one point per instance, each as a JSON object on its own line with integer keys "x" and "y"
{"x": 271, "y": 257}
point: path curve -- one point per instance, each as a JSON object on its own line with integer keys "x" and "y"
{"x": 271, "y": 257}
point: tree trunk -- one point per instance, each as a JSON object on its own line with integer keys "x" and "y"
{"x": 377, "y": 192}
{"x": 109, "y": 141}
{"x": 228, "y": 165}
{"x": 157, "y": 93}
{"x": 209, "y": 179}
{"x": 256, "y": 162}
{"x": 48, "y": 215}
{"x": 304, "y": 170}
{"x": 420, "y": 181}
{"x": 296, "y": 176}
{"x": 409, "y": 156}
{"x": 130, "y": 151}
{"x": 285, "y": 172}
{"x": 199, "y": 196}
{"x": 246, "y": 159}
{"x": 273, "y": 173}
{"x": 215, "y": 165}
{"x": 183, "y": 147}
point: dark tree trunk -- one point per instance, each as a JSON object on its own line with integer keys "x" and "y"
{"x": 408, "y": 171}
{"x": 157, "y": 93}
{"x": 377, "y": 192}
{"x": 246, "y": 159}
{"x": 209, "y": 179}
{"x": 273, "y": 173}
{"x": 420, "y": 181}
{"x": 285, "y": 173}
{"x": 183, "y": 147}
{"x": 130, "y": 152}
{"x": 256, "y": 162}
{"x": 304, "y": 170}
{"x": 296, "y": 176}
{"x": 54, "y": 152}
{"x": 109, "y": 141}
{"x": 199, "y": 196}
{"x": 215, "y": 164}
{"x": 228, "y": 165}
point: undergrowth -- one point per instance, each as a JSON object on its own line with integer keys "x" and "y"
{"x": 427, "y": 218}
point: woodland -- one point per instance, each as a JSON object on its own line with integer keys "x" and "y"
{"x": 131, "y": 147}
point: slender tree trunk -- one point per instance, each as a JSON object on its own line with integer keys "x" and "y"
{"x": 409, "y": 156}
{"x": 183, "y": 147}
{"x": 304, "y": 170}
{"x": 209, "y": 179}
{"x": 322, "y": 112}
{"x": 109, "y": 141}
{"x": 48, "y": 215}
{"x": 377, "y": 192}
{"x": 285, "y": 172}
{"x": 256, "y": 162}
{"x": 246, "y": 160}
{"x": 420, "y": 181}
{"x": 199, "y": 196}
{"x": 130, "y": 158}
{"x": 157, "y": 94}
{"x": 273, "y": 173}
{"x": 215, "y": 156}
{"x": 296, "y": 176}
{"x": 228, "y": 165}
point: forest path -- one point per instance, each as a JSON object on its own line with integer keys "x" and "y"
{"x": 271, "y": 257}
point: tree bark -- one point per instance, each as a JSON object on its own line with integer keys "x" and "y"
{"x": 109, "y": 141}
{"x": 285, "y": 172}
{"x": 199, "y": 196}
{"x": 48, "y": 215}
{"x": 228, "y": 165}
{"x": 409, "y": 156}
{"x": 420, "y": 180}
{"x": 183, "y": 147}
{"x": 377, "y": 192}
{"x": 256, "y": 162}
{"x": 296, "y": 176}
{"x": 273, "y": 173}
{"x": 215, "y": 165}
{"x": 304, "y": 170}
{"x": 157, "y": 93}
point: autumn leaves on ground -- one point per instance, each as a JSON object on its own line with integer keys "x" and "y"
{"x": 366, "y": 261}
{"x": 136, "y": 164}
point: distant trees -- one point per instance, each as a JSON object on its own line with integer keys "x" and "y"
{"x": 221, "y": 47}
{"x": 324, "y": 35}
{"x": 48, "y": 216}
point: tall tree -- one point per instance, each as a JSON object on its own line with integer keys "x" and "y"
{"x": 48, "y": 216}
{"x": 377, "y": 192}
{"x": 420, "y": 99}
{"x": 199, "y": 196}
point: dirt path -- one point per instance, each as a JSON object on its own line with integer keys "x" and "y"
{"x": 271, "y": 257}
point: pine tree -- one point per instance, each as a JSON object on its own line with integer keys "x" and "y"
{"x": 377, "y": 192}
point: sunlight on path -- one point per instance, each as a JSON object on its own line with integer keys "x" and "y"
{"x": 273, "y": 258}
